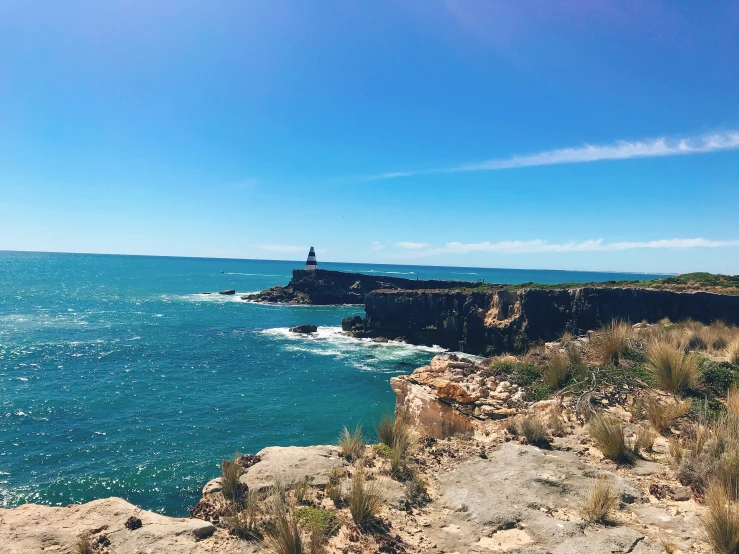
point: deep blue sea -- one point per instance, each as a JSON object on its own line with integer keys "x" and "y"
{"x": 117, "y": 377}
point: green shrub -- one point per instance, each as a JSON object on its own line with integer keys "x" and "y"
{"x": 324, "y": 520}
{"x": 382, "y": 449}
{"x": 718, "y": 377}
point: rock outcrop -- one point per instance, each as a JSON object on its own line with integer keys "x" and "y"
{"x": 31, "y": 529}
{"x": 326, "y": 287}
{"x": 304, "y": 329}
{"x": 490, "y": 322}
{"x": 442, "y": 399}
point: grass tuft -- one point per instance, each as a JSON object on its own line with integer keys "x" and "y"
{"x": 533, "y": 430}
{"x": 351, "y": 443}
{"x": 231, "y": 471}
{"x": 245, "y": 522}
{"x": 721, "y": 522}
{"x": 732, "y": 351}
{"x": 613, "y": 341}
{"x": 556, "y": 371}
{"x": 84, "y": 545}
{"x": 732, "y": 400}
{"x": 365, "y": 499}
{"x": 662, "y": 416}
{"x": 283, "y": 533}
{"x": 601, "y": 502}
{"x": 609, "y": 435}
{"x": 671, "y": 367}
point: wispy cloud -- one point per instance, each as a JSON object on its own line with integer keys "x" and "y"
{"x": 592, "y": 245}
{"x": 620, "y": 150}
{"x": 412, "y": 245}
{"x": 282, "y": 248}
{"x": 377, "y": 245}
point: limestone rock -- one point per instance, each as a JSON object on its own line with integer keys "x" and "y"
{"x": 288, "y": 465}
{"x": 35, "y": 529}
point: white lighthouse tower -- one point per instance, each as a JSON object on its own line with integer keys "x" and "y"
{"x": 311, "y": 264}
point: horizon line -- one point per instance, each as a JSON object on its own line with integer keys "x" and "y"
{"x": 653, "y": 273}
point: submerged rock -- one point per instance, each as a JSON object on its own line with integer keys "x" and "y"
{"x": 228, "y": 292}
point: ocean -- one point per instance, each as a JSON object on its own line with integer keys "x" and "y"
{"x": 119, "y": 378}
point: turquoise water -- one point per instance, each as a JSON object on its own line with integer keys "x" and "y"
{"x": 118, "y": 378}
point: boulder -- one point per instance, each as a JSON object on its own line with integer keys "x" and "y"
{"x": 228, "y": 292}
{"x": 35, "y": 529}
{"x": 289, "y": 465}
{"x": 352, "y": 324}
{"x": 304, "y": 329}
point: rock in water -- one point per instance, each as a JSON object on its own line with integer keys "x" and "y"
{"x": 351, "y": 324}
{"x": 228, "y": 292}
{"x": 305, "y": 329}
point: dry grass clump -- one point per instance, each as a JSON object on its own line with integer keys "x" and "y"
{"x": 556, "y": 370}
{"x": 671, "y": 367}
{"x": 721, "y": 521}
{"x": 612, "y": 341}
{"x": 732, "y": 400}
{"x": 533, "y": 430}
{"x": 84, "y": 545}
{"x": 601, "y": 501}
{"x": 732, "y": 351}
{"x": 351, "y": 443}
{"x": 643, "y": 441}
{"x": 662, "y": 415}
{"x": 245, "y": 522}
{"x": 396, "y": 434}
{"x": 365, "y": 499}
{"x": 609, "y": 435}
{"x": 283, "y": 532}
{"x": 231, "y": 471}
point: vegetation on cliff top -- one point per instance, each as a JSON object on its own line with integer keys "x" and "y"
{"x": 698, "y": 281}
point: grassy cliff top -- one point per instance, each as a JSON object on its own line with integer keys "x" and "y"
{"x": 699, "y": 281}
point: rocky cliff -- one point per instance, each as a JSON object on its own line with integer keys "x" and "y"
{"x": 323, "y": 287}
{"x": 509, "y": 320}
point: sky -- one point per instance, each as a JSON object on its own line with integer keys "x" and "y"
{"x": 559, "y": 134}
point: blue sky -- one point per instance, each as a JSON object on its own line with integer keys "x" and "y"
{"x": 579, "y": 134}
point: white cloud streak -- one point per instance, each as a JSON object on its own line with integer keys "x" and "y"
{"x": 620, "y": 150}
{"x": 593, "y": 245}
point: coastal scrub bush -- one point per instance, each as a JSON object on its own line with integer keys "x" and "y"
{"x": 324, "y": 521}
{"x": 231, "y": 471}
{"x": 612, "y": 341}
{"x": 609, "y": 435}
{"x": 351, "y": 443}
{"x": 661, "y": 415}
{"x": 556, "y": 370}
{"x": 365, "y": 499}
{"x": 718, "y": 377}
{"x": 600, "y": 502}
{"x": 283, "y": 533}
{"x": 382, "y": 449}
{"x": 671, "y": 367}
{"x": 721, "y": 521}
{"x": 533, "y": 430}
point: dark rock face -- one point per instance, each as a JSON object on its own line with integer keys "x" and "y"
{"x": 305, "y": 329}
{"x": 228, "y": 292}
{"x": 353, "y": 324}
{"x": 496, "y": 321}
{"x": 324, "y": 287}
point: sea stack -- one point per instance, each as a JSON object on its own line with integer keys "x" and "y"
{"x": 311, "y": 264}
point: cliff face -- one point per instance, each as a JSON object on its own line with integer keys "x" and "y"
{"x": 496, "y": 321}
{"x": 324, "y": 287}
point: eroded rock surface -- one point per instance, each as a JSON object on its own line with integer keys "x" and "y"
{"x": 32, "y": 529}
{"x": 524, "y": 499}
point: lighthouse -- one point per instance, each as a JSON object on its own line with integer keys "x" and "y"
{"x": 311, "y": 264}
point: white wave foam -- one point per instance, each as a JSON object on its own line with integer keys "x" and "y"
{"x": 207, "y": 297}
